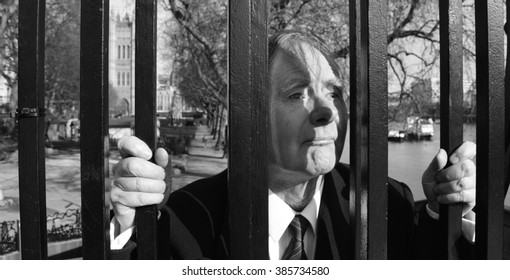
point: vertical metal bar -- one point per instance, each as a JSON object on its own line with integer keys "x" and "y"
{"x": 490, "y": 126}
{"x": 358, "y": 194}
{"x": 94, "y": 143}
{"x": 145, "y": 113}
{"x": 369, "y": 115}
{"x": 32, "y": 175}
{"x": 248, "y": 124}
{"x": 507, "y": 97}
{"x": 450, "y": 16}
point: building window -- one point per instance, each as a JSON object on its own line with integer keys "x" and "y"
{"x": 128, "y": 78}
{"x": 128, "y": 51}
{"x": 118, "y": 53}
{"x": 118, "y": 78}
{"x": 123, "y": 78}
{"x": 123, "y": 52}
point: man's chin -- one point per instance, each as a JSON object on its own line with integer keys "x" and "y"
{"x": 321, "y": 162}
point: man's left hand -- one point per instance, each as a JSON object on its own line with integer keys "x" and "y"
{"x": 454, "y": 184}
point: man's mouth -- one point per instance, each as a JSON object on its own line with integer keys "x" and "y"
{"x": 320, "y": 141}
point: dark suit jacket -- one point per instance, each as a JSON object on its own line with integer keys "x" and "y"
{"x": 194, "y": 223}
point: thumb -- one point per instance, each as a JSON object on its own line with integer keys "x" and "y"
{"x": 436, "y": 165}
{"x": 125, "y": 216}
{"x": 162, "y": 159}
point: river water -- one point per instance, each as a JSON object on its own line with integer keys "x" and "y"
{"x": 407, "y": 160}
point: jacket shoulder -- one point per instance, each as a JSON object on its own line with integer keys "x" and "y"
{"x": 201, "y": 209}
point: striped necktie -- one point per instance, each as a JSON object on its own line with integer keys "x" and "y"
{"x": 297, "y": 229}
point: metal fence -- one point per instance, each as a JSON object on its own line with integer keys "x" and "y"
{"x": 60, "y": 227}
{"x": 9, "y": 236}
{"x": 248, "y": 125}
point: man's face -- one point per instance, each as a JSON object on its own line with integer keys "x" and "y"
{"x": 308, "y": 116}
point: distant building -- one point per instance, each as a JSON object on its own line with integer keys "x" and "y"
{"x": 164, "y": 95}
{"x": 169, "y": 103}
{"x": 122, "y": 70}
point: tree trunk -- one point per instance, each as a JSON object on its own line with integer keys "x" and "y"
{"x": 222, "y": 117}
{"x": 217, "y": 121}
{"x": 214, "y": 122}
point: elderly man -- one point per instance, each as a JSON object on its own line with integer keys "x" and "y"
{"x": 308, "y": 187}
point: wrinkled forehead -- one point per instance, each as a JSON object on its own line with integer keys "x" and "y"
{"x": 300, "y": 54}
{"x": 299, "y": 61}
{"x": 297, "y": 44}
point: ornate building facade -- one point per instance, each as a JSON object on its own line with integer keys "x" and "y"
{"x": 121, "y": 70}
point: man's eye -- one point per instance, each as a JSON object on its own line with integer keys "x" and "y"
{"x": 296, "y": 95}
{"x": 334, "y": 94}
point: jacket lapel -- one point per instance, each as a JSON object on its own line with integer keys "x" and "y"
{"x": 334, "y": 239}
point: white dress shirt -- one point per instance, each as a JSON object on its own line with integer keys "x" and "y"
{"x": 280, "y": 217}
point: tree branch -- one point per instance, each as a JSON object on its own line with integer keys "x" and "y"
{"x": 212, "y": 56}
{"x": 296, "y": 13}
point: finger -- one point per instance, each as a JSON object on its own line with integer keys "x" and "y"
{"x": 137, "y": 167}
{"x": 138, "y": 184}
{"x": 133, "y": 146}
{"x": 161, "y": 157}
{"x": 465, "y": 168}
{"x": 465, "y": 196}
{"x": 465, "y": 183}
{"x": 135, "y": 199}
{"x": 466, "y": 151}
{"x": 437, "y": 163}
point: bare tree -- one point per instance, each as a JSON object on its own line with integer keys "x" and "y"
{"x": 413, "y": 42}
{"x": 9, "y": 47}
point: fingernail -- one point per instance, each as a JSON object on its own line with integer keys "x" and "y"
{"x": 454, "y": 159}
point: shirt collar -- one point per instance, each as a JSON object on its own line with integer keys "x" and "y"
{"x": 281, "y": 214}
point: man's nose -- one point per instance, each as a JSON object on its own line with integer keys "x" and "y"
{"x": 323, "y": 112}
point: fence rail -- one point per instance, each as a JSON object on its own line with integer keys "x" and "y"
{"x": 94, "y": 141}
{"x": 450, "y": 15}
{"x": 145, "y": 121}
{"x": 369, "y": 126}
{"x": 31, "y": 127}
{"x": 248, "y": 125}
{"x": 490, "y": 132}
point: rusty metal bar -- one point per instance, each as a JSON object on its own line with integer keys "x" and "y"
{"x": 145, "y": 114}
{"x": 248, "y": 122}
{"x": 94, "y": 143}
{"x": 32, "y": 173}
{"x": 490, "y": 125}
{"x": 450, "y": 16}
{"x": 369, "y": 115}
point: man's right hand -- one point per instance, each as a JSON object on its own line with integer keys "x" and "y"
{"x": 136, "y": 181}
